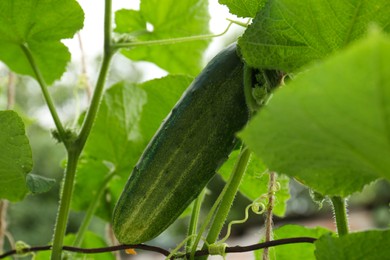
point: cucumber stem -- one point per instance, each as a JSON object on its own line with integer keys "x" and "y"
{"x": 225, "y": 199}
{"x": 192, "y": 229}
{"x": 340, "y": 213}
{"x": 206, "y": 222}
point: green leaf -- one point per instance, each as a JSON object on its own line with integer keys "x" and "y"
{"x": 15, "y": 157}
{"x": 254, "y": 183}
{"x": 162, "y": 95}
{"x": 127, "y": 119}
{"x": 116, "y": 129}
{"x": 90, "y": 179}
{"x": 368, "y": 245}
{"x": 294, "y": 251}
{"x": 40, "y": 25}
{"x": 287, "y": 34}
{"x": 39, "y": 184}
{"x": 170, "y": 19}
{"x": 129, "y": 21}
{"x": 330, "y": 127}
{"x": 244, "y": 8}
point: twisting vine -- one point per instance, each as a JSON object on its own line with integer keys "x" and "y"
{"x": 25, "y": 249}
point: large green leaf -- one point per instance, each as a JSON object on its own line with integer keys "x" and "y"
{"x": 368, "y": 245}
{"x": 15, "y": 157}
{"x": 170, "y": 19}
{"x": 40, "y": 25}
{"x": 287, "y": 34}
{"x": 128, "y": 117}
{"x": 254, "y": 183}
{"x": 294, "y": 251}
{"x": 330, "y": 128}
{"x": 243, "y": 8}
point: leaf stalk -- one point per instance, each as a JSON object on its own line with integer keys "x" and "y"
{"x": 340, "y": 213}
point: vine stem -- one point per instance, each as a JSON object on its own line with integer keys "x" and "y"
{"x": 46, "y": 94}
{"x": 340, "y": 213}
{"x": 226, "y": 198}
{"x": 170, "y": 41}
{"x": 64, "y": 205}
{"x": 75, "y": 149}
{"x": 268, "y": 220}
{"x": 166, "y": 253}
{"x": 192, "y": 229}
{"x": 97, "y": 94}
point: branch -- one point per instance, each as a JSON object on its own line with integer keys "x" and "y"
{"x": 233, "y": 249}
{"x": 269, "y": 214}
{"x": 46, "y": 95}
{"x": 169, "y": 41}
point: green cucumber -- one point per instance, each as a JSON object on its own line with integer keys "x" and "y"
{"x": 192, "y": 143}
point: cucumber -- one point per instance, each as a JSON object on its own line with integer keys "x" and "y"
{"x": 191, "y": 144}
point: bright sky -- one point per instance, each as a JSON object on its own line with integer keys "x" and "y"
{"x": 92, "y": 33}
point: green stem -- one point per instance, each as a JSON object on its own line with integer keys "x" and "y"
{"x": 46, "y": 94}
{"x": 269, "y": 214}
{"x": 224, "y": 202}
{"x": 75, "y": 149}
{"x": 340, "y": 212}
{"x": 206, "y": 222}
{"x": 64, "y": 206}
{"x": 228, "y": 198}
{"x": 91, "y": 210}
{"x": 192, "y": 229}
{"x": 169, "y": 41}
{"x": 95, "y": 102}
{"x": 98, "y": 92}
{"x": 245, "y": 25}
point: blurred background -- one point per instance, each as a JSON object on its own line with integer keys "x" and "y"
{"x": 32, "y": 220}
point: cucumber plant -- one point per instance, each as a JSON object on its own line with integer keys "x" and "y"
{"x": 326, "y": 125}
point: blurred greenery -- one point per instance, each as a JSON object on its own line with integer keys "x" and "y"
{"x": 32, "y": 220}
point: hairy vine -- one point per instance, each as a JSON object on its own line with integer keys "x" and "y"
{"x": 203, "y": 252}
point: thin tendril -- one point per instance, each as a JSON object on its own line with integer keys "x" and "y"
{"x": 169, "y": 41}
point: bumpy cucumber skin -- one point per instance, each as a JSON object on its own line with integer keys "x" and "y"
{"x": 185, "y": 153}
